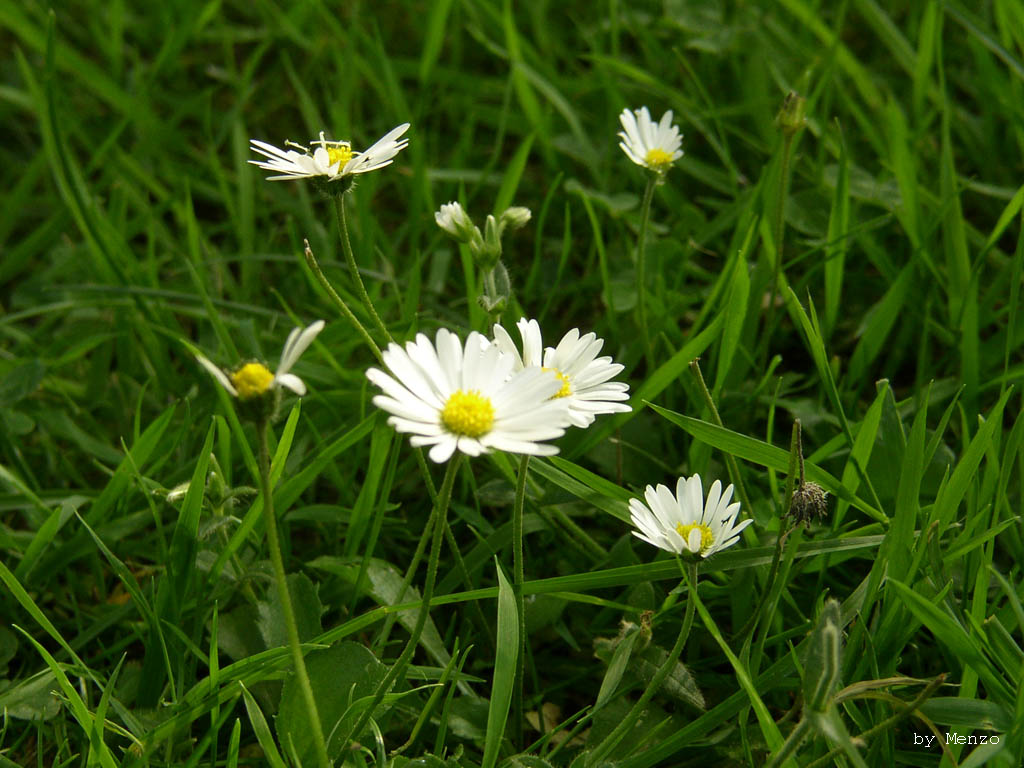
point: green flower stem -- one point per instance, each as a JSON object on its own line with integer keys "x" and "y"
{"x": 339, "y": 302}
{"x": 597, "y": 757}
{"x": 796, "y": 737}
{"x": 517, "y": 586}
{"x": 641, "y": 251}
{"x": 779, "y": 230}
{"x": 274, "y": 544}
{"x": 785, "y": 529}
{"x": 730, "y": 460}
{"x": 421, "y": 547}
{"x": 438, "y": 519}
{"x": 346, "y": 245}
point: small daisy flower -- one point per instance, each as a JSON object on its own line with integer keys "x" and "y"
{"x": 653, "y": 145}
{"x": 254, "y": 380}
{"x": 584, "y": 376}
{"x": 330, "y": 160}
{"x": 684, "y": 523}
{"x": 454, "y": 396}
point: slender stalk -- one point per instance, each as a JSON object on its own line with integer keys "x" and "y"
{"x": 779, "y": 228}
{"x": 274, "y": 544}
{"x": 346, "y": 246}
{"x": 597, "y": 757}
{"x": 641, "y": 250}
{"x": 421, "y": 547}
{"x": 339, "y": 302}
{"x": 796, "y": 737}
{"x": 730, "y": 460}
{"x": 786, "y": 526}
{"x": 438, "y": 518}
{"x": 517, "y": 586}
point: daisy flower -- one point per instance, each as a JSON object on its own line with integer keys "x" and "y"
{"x": 653, "y": 145}
{"x": 684, "y": 522}
{"x": 253, "y": 379}
{"x": 585, "y": 376}
{"x": 451, "y": 395}
{"x": 331, "y": 160}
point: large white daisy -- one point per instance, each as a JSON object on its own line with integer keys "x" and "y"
{"x": 585, "y": 376}
{"x": 451, "y": 395}
{"x": 254, "y": 379}
{"x": 653, "y": 145}
{"x": 330, "y": 159}
{"x": 685, "y": 522}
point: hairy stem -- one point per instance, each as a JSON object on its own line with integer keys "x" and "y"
{"x": 350, "y": 257}
{"x": 641, "y": 251}
{"x": 597, "y": 757}
{"x": 339, "y": 302}
{"x": 517, "y": 586}
{"x": 277, "y": 561}
{"x": 438, "y": 518}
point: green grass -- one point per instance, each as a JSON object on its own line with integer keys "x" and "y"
{"x": 137, "y": 629}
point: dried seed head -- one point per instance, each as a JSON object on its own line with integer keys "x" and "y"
{"x": 809, "y": 500}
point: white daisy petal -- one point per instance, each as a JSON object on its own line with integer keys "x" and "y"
{"x": 218, "y": 374}
{"x": 254, "y": 379}
{"x": 292, "y": 382}
{"x": 684, "y": 521}
{"x": 297, "y": 343}
{"x": 462, "y": 396}
{"x": 443, "y": 450}
{"x": 655, "y": 146}
{"x": 582, "y": 375}
{"x": 331, "y": 160}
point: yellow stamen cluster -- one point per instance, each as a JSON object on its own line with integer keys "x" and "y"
{"x": 468, "y": 413}
{"x": 658, "y": 159}
{"x": 706, "y": 537}
{"x": 252, "y": 380}
{"x": 340, "y": 153}
{"x": 566, "y": 389}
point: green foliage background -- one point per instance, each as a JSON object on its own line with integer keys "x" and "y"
{"x": 131, "y": 224}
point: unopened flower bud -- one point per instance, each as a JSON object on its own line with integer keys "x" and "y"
{"x": 515, "y": 217}
{"x": 454, "y": 220}
{"x": 791, "y": 117}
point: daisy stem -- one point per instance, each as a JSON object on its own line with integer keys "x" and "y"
{"x": 421, "y": 547}
{"x": 339, "y": 302}
{"x": 438, "y": 519}
{"x": 597, "y": 757}
{"x": 641, "y": 249}
{"x": 346, "y": 245}
{"x": 730, "y": 460}
{"x": 779, "y": 229}
{"x": 517, "y": 584}
{"x": 274, "y": 544}
{"x": 784, "y": 531}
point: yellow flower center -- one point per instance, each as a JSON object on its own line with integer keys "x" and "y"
{"x": 566, "y": 389}
{"x": 468, "y": 413}
{"x": 658, "y": 159}
{"x": 706, "y": 537}
{"x": 252, "y": 380}
{"x": 341, "y": 153}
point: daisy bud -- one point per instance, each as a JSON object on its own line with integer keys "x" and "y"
{"x": 516, "y": 217}
{"x": 453, "y": 219}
